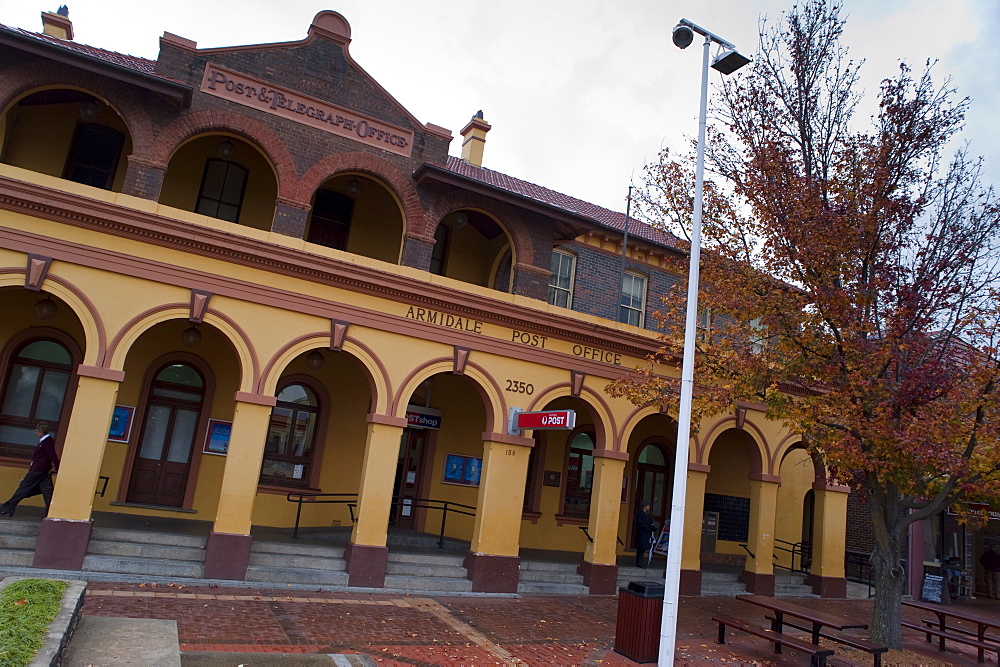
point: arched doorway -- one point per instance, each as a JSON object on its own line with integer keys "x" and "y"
{"x": 169, "y": 425}
{"x": 653, "y": 481}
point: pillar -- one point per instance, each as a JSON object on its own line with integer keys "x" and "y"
{"x": 493, "y": 562}
{"x": 759, "y": 573}
{"x": 65, "y": 533}
{"x": 694, "y": 509}
{"x": 533, "y": 281}
{"x": 829, "y": 542}
{"x": 417, "y": 250}
{"x": 227, "y": 552}
{"x": 600, "y": 558}
{"x": 143, "y": 178}
{"x": 367, "y": 553}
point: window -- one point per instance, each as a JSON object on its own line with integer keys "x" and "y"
{"x": 290, "y": 438}
{"x": 561, "y": 281}
{"x": 36, "y": 387}
{"x": 704, "y": 325}
{"x": 93, "y": 157}
{"x": 633, "y": 302}
{"x": 441, "y": 237}
{"x": 331, "y": 219}
{"x": 222, "y": 188}
{"x": 758, "y": 339}
{"x": 579, "y": 474}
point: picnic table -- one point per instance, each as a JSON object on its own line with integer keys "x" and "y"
{"x": 945, "y": 631}
{"x": 818, "y": 619}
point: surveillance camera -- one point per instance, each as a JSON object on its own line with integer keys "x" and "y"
{"x": 683, "y": 36}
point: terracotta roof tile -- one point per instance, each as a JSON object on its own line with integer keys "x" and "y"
{"x": 600, "y": 215}
{"x": 132, "y": 62}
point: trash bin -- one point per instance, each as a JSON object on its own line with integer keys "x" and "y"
{"x": 640, "y": 609}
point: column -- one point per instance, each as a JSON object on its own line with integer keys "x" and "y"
{"x": 758, "y": 574}
{"x": 65, "y": 533}
{"x": 532, "y": 281}
{"x": 694, "y": 510}
{"x": 417, "y": 251}
{"x": 290, "y": 218}
{"x": 600, "y": 558}
{"x": 227, "y": 552}
{"x": 826, "y": 574}
{"x": 493, "y": 562}
{"x": 143, "y": 178}
{"x": 367, "y": 554}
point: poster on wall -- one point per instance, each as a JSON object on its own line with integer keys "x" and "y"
{"x": 462, "y": 470}
{"x": 217, "y": 439}
{"x": 121, "y": 423}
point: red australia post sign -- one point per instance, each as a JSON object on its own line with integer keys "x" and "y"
{"x": 547, "y": 419}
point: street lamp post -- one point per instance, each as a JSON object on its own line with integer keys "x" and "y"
{"x": 727, "y": 62}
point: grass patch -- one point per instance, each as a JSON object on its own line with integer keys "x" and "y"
{"x": 26, "y": 609}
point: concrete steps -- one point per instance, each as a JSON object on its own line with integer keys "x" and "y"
{"x": 790, "y": 585}
{"x": 279, "y": 562}
{"x": 721, "y": 584}
{"x": 427, "y": 572}
{"x": 17, "y": 543}
{"x": 554, "y": 578}
{"x": 145, "y": 552}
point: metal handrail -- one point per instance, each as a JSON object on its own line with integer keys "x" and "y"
{"x": 802, "y": 550}
{"x": 591, "y": 539}
{"x": 351, "y": 500}
{"x": 747, "y": 549}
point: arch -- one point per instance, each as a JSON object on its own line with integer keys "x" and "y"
{"x": 85, "y": 310}
{"x": 22, "y": 80}
{"x": 130, "y": 332}
{"x": 190, "y": 126}
{"x": 637, "y": 415}
{"x": 758, "y": 454}
{"x": 792, "y": 442}
{"x": 522, "y": 238}
{"x": 486, "y": 385}
{"x": 378, "y": 377}
{"x": 396, "y": 182}
{"x": 604, "y": 421}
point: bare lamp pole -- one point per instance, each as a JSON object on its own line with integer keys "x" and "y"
{"x": 727, "y": 62}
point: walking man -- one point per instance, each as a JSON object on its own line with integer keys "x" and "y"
{"x": 38, "y": 480}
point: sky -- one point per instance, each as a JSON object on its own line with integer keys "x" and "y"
{"x": 580, "y": 93}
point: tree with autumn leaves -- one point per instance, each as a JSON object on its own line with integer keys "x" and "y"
{"x": 850, "y": 276}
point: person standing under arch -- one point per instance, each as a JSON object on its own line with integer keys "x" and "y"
{"x": 38, "y": 479}
{"x": 644, "y": 529}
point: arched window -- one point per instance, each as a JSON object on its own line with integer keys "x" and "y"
{"x": 331, "y": 219}
{"x": 579, "y": 474}
{"x": 35, "y": 390}
{"x": 222, "y": 188}
{"x": 169, "y": 427}
{"x": 93, "y": 157}
{"x": 291, "y": 434}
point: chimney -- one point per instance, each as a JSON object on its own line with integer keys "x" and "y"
{"x": 474, "y": 139}
{"x": 58, "y": 25}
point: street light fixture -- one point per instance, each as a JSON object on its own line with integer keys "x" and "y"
{"x": 727, "y": 62}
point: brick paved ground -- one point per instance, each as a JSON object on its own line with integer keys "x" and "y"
{"x": 417, "y": 630}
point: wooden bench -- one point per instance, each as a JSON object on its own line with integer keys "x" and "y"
{"x": 950, "y": 636}
{"x": 817, "y": 655}
{"x": 933, "y": 623}
{"x": 847, "y": 640}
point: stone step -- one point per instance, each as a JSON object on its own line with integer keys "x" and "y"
{"x": 141, "y": 550}
{"x": 17, "y": 557}
{"x": 568, "y": 577}
{"x": 426, "y": 559}
{"x": 442, "y": 584}
{"x": 282, "y": 561}
{"x": 552, "y": 588}
{"x": 18, "y": 542}
{"x": 794, "y": 592}
{"x": 417, "y": 570}
{"x": 148, "y": 566}
{"x": 291, "y": 575}
{"x": 147, "y": 537}
{"x": 547, "y": 566}
{"x": 13, "y": 527}
{"x": 296, "y": 549}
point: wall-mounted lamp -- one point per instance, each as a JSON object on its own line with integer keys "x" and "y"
{"x": 89, "y": 112}
{"x": 353, "y": 187}
{"x": 459, "y": 220}
{"x": 191, "y": 337}
{"x": 46, "y": 309}
{"x": 226, "y": 150}
{"x": 315, "y": 360}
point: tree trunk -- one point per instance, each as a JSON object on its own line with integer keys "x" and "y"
{"x": 888, "y": 578}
